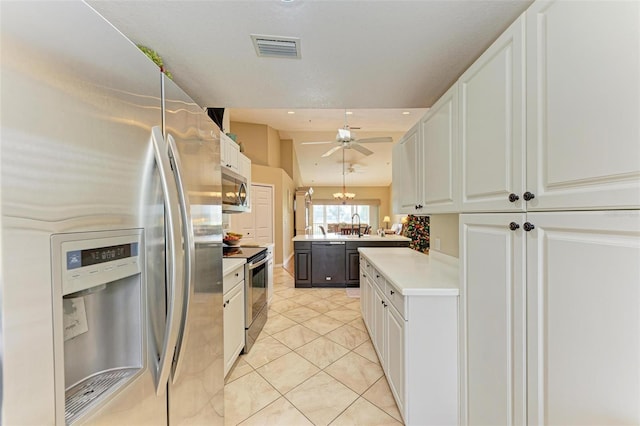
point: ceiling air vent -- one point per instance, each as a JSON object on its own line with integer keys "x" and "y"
{"x": 276, "y": 46}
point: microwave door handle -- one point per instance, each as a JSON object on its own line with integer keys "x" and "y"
{"x": 174, "y": 262}
{"x": 242, "y": 194}
{"x": 189, "y": 255}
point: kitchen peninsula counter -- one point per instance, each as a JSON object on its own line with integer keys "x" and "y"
{"x": 409, "y": 303}
{"x": 414, "y": 273}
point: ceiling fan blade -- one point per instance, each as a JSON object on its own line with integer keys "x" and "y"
{"x": 331, "y": 151}
{"x": 317, "y": 143}
{"x": 361, "y": 149}
{"x": 376, "y": 140}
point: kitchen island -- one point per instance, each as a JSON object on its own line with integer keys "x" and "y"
{"x": 333, "y": 260}
{"x": 409, "y": 304}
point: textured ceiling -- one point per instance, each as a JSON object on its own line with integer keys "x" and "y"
{"x": 354, "y": 54}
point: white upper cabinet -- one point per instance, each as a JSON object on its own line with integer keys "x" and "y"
{"x": 491, "y": 126}
{"x": 407, "y": 173}
{"x": 583, "y": 105}
{"x": 229, "y": 151}
{"x": 440, "y": 155}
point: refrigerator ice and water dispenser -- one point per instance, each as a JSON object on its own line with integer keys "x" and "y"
{"x": 98, "y": 316}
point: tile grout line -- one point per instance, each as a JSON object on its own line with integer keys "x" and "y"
{"x": 340, "y": 305}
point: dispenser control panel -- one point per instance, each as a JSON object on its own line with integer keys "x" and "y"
{"x": 87, "y": 263}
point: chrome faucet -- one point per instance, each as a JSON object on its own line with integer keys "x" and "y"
{"x": 354, "y": 215}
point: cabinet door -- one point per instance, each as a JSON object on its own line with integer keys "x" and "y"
{"x": 365, "y": 305}
{"x": 379, "y": 325}
{"x": 353, "y": 267}
{"x": 229, "y": 151}
{"x": 583, "y": 105}
{"x": 439, "y": 132}
{"x": 395, "y": 354}
{"x": 233, "y": 325}
{"x": 492, "y": 130}
{"x": 302, "y": 265}
{"x": 493, "y": 338}
{"x": 583, "y": 280}
{"x": 407, "y": 180}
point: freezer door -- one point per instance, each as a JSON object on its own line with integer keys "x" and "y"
{"x": 78, "y": 105}
{"x": 196, "y": 390}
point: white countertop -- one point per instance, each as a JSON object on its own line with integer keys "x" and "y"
{"x": 229, "y": 264}
{"x": 413, "y": 273}
{"x": 338, "y": 237}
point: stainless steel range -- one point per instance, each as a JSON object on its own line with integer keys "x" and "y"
{"x": 256, "y": 277}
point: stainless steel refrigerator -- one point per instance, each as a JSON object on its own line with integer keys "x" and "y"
{"x": 111, "y": 264}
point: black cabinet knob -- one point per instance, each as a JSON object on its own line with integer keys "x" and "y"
{"x": 528, "y": 196}
{"x": 237, "y": 274}
{"x": 391, "y": 292}
{"x": 513, "y": 226}
{"x": 528, "y": 226}
{"x": 513, "y": 197}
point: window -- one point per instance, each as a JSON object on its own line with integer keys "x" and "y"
{"x": 334, "y": 216}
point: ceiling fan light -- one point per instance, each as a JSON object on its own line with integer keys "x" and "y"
{"x": 343, "y": 135}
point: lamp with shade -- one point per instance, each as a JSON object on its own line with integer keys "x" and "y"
{"x": 386, "y": 221}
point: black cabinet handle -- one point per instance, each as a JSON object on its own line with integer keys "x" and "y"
{"x": 528, "y": 196}
{"x": 224, "y": 305}
{"x": 377, "y": 276}
{"x": 528, "y": 226}
{"x": 513, "y": 197}
{"x": 513, "y": 226}
{"x": 237, "y": 274}
{"x": 418, "y": 206}
{"x": 391, "y": 292}
{"x": 382, "y": 302}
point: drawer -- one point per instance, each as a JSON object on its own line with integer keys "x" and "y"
{"x": 302, "y": 245}
{"x": 232, "y": 278}
{"x": 398, "y": 301}
{"x": 377, "y": 278}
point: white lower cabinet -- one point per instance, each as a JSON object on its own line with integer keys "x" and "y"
{"x": 394, "y": 325}
{"x": 233, "y": 317}
{"x": 416, "y": 340}
{"x": 551, "y": 321}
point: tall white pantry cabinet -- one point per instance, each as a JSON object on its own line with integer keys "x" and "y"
{"x": 550, "y": 232}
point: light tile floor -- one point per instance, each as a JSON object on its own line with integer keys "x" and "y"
{"x": 313, "y": 364}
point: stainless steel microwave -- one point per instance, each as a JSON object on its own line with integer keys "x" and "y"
{"x": 234, "y": 192}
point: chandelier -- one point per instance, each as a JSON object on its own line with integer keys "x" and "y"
{"x": 343, "y": 196}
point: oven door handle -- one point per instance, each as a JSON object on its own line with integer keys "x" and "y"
{"x": 253, "y": 266}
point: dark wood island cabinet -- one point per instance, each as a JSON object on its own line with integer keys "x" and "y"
{"x": 334, "y": 261}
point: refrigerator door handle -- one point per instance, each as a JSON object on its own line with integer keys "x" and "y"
{"x": 189, "y": 257}
{"x": 174, "y": 263}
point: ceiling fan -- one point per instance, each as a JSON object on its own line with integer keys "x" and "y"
{"x": 346, "y": 139}
{"x": 355, "y": 168}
